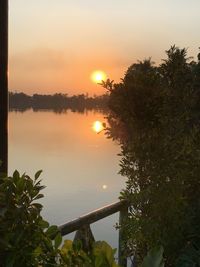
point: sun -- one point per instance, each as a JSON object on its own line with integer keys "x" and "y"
{"x": 98, "y": 75}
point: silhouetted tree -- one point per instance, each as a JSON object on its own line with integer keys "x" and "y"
{"x": 158, "y": 109}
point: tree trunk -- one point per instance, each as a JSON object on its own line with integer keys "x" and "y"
{"x": 4, "y": 85}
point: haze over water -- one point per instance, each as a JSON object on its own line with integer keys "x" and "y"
{"x": 56, "y": 45}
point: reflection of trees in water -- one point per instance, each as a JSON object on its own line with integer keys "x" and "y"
{"x": 61, "y": 111}
{"x": 58, "y": 103}
{"x": 155, "y": 117}
{"x": 22, "y": 110}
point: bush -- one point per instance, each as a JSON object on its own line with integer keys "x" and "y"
{"x": 26, "y": 239}
{"x": 155, "y": 110}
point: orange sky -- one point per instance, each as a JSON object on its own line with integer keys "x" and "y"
{"x": 55, "y": 45}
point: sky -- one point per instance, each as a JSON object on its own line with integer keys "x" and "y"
{"x": 55, "y": 45}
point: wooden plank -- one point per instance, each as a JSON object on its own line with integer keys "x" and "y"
{"x": 92, "y": 217}
{"x": 4, "y": 85}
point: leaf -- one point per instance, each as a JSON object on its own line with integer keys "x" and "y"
{"x": 40, "y": 187}
{"x": 52, "y": 231}
{"x": 43, "y": 224}
{"x": 58, "y": 240}
{"x": 37, "y": 175}
{"x": 39, "y": 196}
{"x": 77, "y": 245}
{"x": 10, "y": 261}
{"x": 38, "y": 206}
{"x": 20, "y": 185}
{"x": 37, "y": 252}
{"x": 154, "y": 258}
{"x": 16, "y": 176}
{"x": 102, "y": 249}
{"x": 99, "y": 261}
{"x": 3, "y": 211}
{"x": 48, "y": 244}
{"x": 66, "y": 247}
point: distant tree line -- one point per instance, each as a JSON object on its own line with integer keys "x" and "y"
{"x": 57, "y": 102}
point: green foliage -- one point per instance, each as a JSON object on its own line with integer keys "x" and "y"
{"x": 26, "y": 239}
{"x": 72, "y": 254}
{"x": 155, "y": 117}
{"x": 102, "y": 255}
{"x": 190, "y": 256}
{"x": 154, "y": 258}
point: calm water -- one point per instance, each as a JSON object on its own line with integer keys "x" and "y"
{"x": 79, "y": 166}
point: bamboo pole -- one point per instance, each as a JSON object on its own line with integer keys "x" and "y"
{"x": 4, "y": 86}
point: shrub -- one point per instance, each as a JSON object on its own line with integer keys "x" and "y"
{"x": 26, "y": 239}
{"x": 155, "y": 110}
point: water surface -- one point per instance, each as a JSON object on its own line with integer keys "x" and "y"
{"x": 79, "y": 166}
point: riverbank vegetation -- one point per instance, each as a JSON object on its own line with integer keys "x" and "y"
{"x": 155, "y": 113}
{"x": 57, "y": 102}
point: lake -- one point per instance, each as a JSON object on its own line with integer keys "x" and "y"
{"x": 80, "y": 167}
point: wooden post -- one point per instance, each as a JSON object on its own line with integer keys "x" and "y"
{"x": 4, "y": 86}
{"x": 83, "y": 223}
{"x": 85, "y": 235}
{"x": 122, "y": 260}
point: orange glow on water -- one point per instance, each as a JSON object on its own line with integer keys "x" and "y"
{"x": 98, "y": 126}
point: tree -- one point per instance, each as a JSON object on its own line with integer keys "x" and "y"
{"x": 158, "y": 107}
{"x": 4, "y": 86}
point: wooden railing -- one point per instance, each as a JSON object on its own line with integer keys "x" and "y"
{"x": 82, "y": 226}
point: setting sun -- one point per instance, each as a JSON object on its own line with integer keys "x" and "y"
{"x": 98, "y": 76}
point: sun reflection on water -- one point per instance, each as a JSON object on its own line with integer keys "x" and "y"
{"x": 97, "y": 126}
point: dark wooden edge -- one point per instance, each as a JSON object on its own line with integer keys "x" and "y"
{"x": 92, "y": 217}
{"x": 4, "y": 86}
